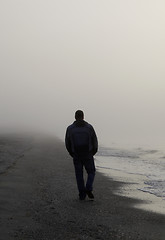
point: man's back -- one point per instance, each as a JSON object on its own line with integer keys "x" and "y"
{"x": 81, "y": 138}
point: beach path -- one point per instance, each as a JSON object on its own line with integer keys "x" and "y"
{"x": 39, "y": 201}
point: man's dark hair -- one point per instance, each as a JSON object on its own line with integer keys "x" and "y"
{"x": 79, "y": 115}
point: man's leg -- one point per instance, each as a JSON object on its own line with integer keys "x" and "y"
{"x": 79, "y": 177}
{"x": 90, "y": 168}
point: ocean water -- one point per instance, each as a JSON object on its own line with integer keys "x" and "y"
{"x": 143, "y": 168}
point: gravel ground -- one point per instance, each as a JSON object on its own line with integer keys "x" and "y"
{"x": 39, "y": 201}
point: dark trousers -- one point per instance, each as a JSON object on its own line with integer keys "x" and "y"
{"x": 79, "y": 164}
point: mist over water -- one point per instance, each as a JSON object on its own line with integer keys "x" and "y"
{"x": 104, "y": 57}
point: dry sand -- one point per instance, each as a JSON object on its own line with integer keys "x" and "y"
{"x": 39, "y": 201}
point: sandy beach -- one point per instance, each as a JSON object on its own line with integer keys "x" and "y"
{"x": 39, "y": 199}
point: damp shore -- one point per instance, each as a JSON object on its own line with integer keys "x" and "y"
{"x": 39, "y": 198}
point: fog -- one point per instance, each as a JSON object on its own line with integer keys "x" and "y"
{"x": 104, "y": 57}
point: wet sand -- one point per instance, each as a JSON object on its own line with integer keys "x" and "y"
{"x": 134, "y": 182}
{"x": 39, "y": 200}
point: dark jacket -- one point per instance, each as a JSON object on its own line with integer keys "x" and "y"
{"x": 81, "y": 139}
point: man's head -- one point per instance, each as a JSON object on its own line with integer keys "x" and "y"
{"x": 79, "y": 115}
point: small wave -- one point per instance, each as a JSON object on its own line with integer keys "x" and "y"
{"x": 149, "y": 151}
{"x": 156, "y": 187}
{"x": 119, "y": 153}
{"x": 122, "y": 153}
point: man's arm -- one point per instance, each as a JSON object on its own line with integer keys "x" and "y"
{"x": 68, "y": 142}
{"x": 94, "y": 141}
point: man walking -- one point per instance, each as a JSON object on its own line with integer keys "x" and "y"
{"x": 81, "y": 143}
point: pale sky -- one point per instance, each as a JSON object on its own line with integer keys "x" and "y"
{"x": 106, "y": 57}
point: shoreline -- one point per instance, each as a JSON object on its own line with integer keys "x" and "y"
{"x": 39, "y": 200}
{"x": 132, "y": 189}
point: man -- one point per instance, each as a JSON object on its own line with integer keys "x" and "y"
{"x": 81, "y": 143}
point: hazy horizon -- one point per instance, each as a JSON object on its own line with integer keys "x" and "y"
{"x": 104, "y": 57}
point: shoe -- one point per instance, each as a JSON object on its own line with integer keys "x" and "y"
{"x": 82, "y": 196}
{"x": 90, "y": 194}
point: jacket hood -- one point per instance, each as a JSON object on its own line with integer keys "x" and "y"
{"x": 80, "y": 123}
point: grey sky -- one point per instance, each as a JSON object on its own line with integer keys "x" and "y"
{"x": 105, "y": 57}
